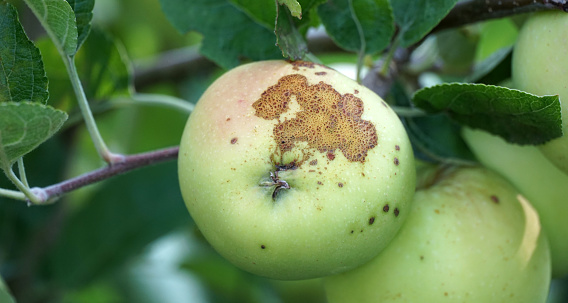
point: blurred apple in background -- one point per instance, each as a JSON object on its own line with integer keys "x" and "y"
{"x": 470, "y": 237}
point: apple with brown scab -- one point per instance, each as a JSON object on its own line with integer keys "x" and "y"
{"x": 293, "y": 171}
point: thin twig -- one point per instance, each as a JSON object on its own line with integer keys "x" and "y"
{"x": 51, "y": 193}
{"x": 472, "y": 11}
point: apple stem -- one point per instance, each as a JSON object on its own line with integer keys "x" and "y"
{"x": 276, "y": 182}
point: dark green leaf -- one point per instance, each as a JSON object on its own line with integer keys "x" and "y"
{"x": 119, "y": 221}
{"x": 434, "y": 137}
{"x": 24, "y": 126}
{"x": 416, "y": 18}
{"x": 103, "y": 68}
{"x": 84, "y": 13}
{"x": 487, "y": 65}
{"x": 261, "y": 11}
{"x": 22, "y": 77}
{"x": 229, "y": 34}
{"x": 518, "y": 117}
{"x": 437, "y": 138}
{"x": 358, "y": 25}
{"x": 58, "y": 19}
{"x": 288, "y": 38}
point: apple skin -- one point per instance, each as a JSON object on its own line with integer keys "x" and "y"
{"x": 540, "y": 67}
{"x": 338, "y": 212}
{"x": 544, "y": 185}
{"x": 468, "y": 238}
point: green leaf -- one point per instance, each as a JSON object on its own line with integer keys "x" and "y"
{"x": 261, "y": 11}
{"x": 24, "y": 126}
{"x": 288, "y": 38}
{"x": 5, "y": 296}
{"x": 517, "y": 116}
{"x": 294, "y": 7}
{"x": 358, "y": 25}
{"x": 58, "y": 19}
{"x": 22, "y": 76}
{"x": 116, "y": 223}
{"x": 229, "y": 34}
{"x": 416, "y": 18}
{"x": 103, "y": 67}
{"x": 434, "y": 137}
{"x": 84, "y": 13}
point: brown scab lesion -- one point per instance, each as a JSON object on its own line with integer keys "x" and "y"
{"x": 234, "y": 140}
{"x": 371, "y": 220}
{"x": 327, "y": 121}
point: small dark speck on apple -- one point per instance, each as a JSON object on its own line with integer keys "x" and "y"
{"x": 386, "y": 208}
{"x": 234, "y": 140}
{"x": 371, "y": 220}
{"x": 263, "y": 246}
{"x": 495, "y": 199}
{"x": 396, "y": 212}
{"x": 396, "y": 162}
{"x": 340, "y": 184}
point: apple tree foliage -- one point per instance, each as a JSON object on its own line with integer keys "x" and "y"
{"x": 90, "y": 90}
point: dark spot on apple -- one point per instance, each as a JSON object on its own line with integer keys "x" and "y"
{"x": 321, "y": 73}
{"x": 330, "y": 156}
{"x": 228, "y": 119}
{"x": 396, "y": 147}
{"x": 340, "y": 184}
{"x": 234, "y": 140}
{"x": 396, "y": 212}
{"x": 356, "y": 91}
{"x": 263, "y": 246}
{"x": 445, "y": 294}
{"x": 396, "y": 161}
{"x": 386, "y": 208}
{"x": 314, "y": 162}
{"x": 320, "y": 183}
{"x": 363, "y": 174}
{"x": 495, "y": 199}
{"x": 436, "y": 211}
{"x": 352, "y": 231}
{"x": 371, "y": 220}
{"x": 421, "y": 257}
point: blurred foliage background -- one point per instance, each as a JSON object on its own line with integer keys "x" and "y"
{"x": 130, "y": 238}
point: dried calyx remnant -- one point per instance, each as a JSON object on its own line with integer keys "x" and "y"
{"x": 327, "y": 120}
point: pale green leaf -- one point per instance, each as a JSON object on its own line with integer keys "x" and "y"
{"x": 24, "y": 126}
{"x": 58, "y": 19}
{"x": 294, "y": 7}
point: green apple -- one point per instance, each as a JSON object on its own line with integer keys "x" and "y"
{"x": 540, "y": 66}
{"x": 293, "y": 171}
{"x": 470, "y": 237}
{"x": 544, "y": 185}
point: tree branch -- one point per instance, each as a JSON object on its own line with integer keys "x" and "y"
{"x": 50, "y": 194}
{"x": 472, "y": 11}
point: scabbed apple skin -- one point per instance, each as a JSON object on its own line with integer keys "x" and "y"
{"x": 540, "y": 66}
{"x": 544, "y": 185}
{"x": 468, "y": 238}
{"x": 337, "y": 214}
